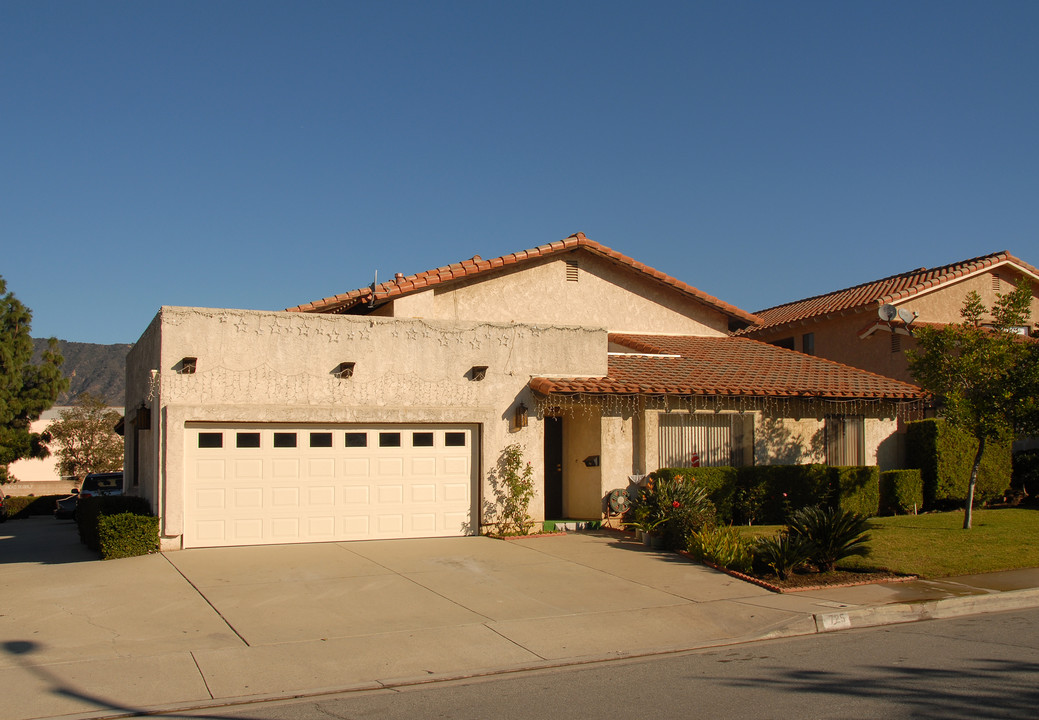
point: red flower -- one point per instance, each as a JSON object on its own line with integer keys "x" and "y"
{"x": 676, "y": 504}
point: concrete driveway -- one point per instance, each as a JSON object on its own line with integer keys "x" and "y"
{"x": 196, "y": 626}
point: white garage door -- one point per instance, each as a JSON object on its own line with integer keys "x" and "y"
{"x": 252, "y": 484}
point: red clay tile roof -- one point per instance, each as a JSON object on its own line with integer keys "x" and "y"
{"x": 725, "y": 366}
{"x": 887, "y": 290}
{"x": 468, "y": 269}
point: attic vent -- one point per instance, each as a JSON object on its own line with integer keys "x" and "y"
{"x": 896, "y": 343}
{"x": 996, "y": 283}
{"x": 571, "y": 270}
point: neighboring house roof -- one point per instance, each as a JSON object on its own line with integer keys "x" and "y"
{"x": 724, "y": 366}
{"x": 478, "y": 267}
{"x": 887, "y": 290}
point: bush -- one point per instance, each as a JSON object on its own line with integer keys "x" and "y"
{"x": 856, "y": 489}
{"x": 90, "y": 510}
{"x": 673, "y": 506}
{"x": 766, "y": 494}
{"x": 127, "y": 535}
{"x": 22, "y": 507}
{"x": 945, "y": 454}
{"x": 901, "y": 492}
{"x": 724, "y": 546}
{"x": 782, "y": 553}
{"x": 1025, "y": 472}
{"x": 832, "y": 534}
{"x": 719, "y": 483}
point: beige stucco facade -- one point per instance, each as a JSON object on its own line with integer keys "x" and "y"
{"x": 602, "y": 295}
{"x": 855, "y": 338}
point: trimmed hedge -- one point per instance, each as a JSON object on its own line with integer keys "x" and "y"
{"x": 856, "y": 489}
{"x": 945, "y": 454}
{"x": 127, "y": 535}
{"x": 89, "y": 512}
{"x": 767, "y": 494}
{"x": 901, "y": 492}
{"x": 22, "y": 506}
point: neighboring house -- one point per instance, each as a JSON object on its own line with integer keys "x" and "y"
{"x": 37, "y": 470}
{"x": 382, "y": 412}
{"x": 845, "y": 325}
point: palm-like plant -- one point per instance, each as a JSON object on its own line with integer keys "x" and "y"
{"x": 783, "y": 553}
{"x": 832, "y": 534}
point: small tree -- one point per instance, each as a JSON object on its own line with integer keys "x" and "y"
{"x": 986, "y": 377}
{"x": 26, "y": 390}
{"x": 86, "y": 439}
{"x": 513, "y": 483}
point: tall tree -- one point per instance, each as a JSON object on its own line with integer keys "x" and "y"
{"x": 85, "y": 438}
{"x": 985, "y": 374}
{"x": 26, "y": 390}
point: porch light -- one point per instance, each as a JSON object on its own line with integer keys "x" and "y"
{"x": 343, "y": 370}
{"x": 519, "y": 418}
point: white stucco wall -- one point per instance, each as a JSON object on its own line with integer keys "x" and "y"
{"x": 277, "y": 367}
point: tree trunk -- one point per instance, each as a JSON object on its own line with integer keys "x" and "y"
{"x": 969, "y": 508}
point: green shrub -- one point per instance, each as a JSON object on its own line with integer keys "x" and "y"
{"x": 1025, "y": 472}
{"x": 127, "y": 535}
{"x": 856, "y": 489}
{"x": 90, "y": 510}
{"x": 901, "y": 492}
{"x": 719, "y": 482}
{"x": 673, "y": 506}
{"x": 945, "y": 454}
{"x": 724, "y": 546}
{"x": 766, "y": 494}
{"x": 782, "y": 553}
{"x": 24, "y": 506}
{"x": 832, "y": 534}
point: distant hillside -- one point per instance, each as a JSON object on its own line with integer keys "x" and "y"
{"x": 97, "y": 369}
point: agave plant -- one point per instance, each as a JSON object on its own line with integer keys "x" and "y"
{"x": 832, "y": 534}
{"x": 783, "y": 553}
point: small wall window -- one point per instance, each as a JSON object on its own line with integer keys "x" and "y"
{"x": 808, "y": 343}
{"x": 389, "y": 439}
{"x": 454, "y": 439}
{"x": 210, "y": 440}
{"x": 422, "y": 439}
{"x": 284, "y": 439}
{"x": 356, "y": 439}
{"x": 321, "y": 439}
{"x": 247, "y": 440}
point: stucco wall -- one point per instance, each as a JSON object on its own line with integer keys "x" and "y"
{"x": 837, "y": 338}
{"x": 603, "y": 296}
{"x": 277, "y": 367}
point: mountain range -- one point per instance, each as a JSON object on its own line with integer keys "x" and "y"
{"x": 97, "y": 369}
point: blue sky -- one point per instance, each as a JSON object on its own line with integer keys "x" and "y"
{"x": 261, "y": 155}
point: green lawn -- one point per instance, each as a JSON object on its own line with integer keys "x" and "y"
{"x": 936, "y": 545}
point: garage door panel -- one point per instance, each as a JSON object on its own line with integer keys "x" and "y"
{"x": 372, "y": 482}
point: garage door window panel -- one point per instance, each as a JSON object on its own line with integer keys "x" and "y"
{"x": 389, "y": 439}
{"x": 356, "y": 440}
{"x": 210, "y": 440}
{"x": 247, "y": 440}
{"x": 284, "y": 440}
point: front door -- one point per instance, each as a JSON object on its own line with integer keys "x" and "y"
{"x": 553, "y": 468}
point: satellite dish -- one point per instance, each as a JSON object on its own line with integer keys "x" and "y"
{"x": 887, "y": 312}
{"x": 906, "y": 316}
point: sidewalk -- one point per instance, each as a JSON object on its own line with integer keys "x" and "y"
{"x": 206, "y": 628}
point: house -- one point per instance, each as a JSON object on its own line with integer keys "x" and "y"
{"x": 845, "y": 325}
{"x": 382, "y": 412}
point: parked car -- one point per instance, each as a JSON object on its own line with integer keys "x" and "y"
{"x": 94, "y": 485}
{"x": 3, "y": 507}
